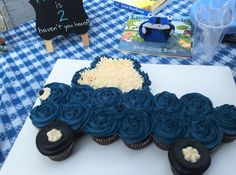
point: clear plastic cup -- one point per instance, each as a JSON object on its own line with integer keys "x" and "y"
{"x": 211, "y": 20}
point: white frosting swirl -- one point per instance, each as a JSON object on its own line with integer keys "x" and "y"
{"x": 110, "y": 72}
{"x": 46, "y": 93}
{"x": 191, "y": 154}
{"x": 54, "y": 135}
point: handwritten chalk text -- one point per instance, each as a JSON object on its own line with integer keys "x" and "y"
{"x": 62, "y": 27}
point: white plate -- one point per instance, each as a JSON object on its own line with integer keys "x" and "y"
{"x": 90, "y": 158}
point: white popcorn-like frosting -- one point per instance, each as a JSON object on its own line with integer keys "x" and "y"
{"x": 191, "y": 154}
{"x": 111, "y": 72}
{"x": 46, "y": 93}
{"x": 54, "y": 135}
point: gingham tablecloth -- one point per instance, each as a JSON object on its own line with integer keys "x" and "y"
{"x": 25, "y": 68}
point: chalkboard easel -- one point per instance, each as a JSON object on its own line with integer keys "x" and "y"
{"x": 49, "y": 45}
{"x": 60, "y": 17}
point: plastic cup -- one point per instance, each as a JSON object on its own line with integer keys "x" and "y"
{"x": 211, "y": 20}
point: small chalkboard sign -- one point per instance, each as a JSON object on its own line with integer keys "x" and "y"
{"x": 60, "y": 17}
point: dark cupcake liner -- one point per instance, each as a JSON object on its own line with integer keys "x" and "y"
{"x": 78, "y": 133}
{"x": 160, "y": 145}
{"x": 213, "y": 149}
{"x": 228, "y": 139}
{"x": 138, "y": 146}
{"x": 105, "y": 140}
{"x": 174, "y": 171}
{"x": 64, "y": 155}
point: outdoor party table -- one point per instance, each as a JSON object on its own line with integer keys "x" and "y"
{"x": 25, "y": 68}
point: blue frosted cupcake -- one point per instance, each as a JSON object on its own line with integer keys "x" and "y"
{"x": 110, "y": 98}
{"x": 197, "y": 106}
{"x": 227, "y": 116}
{"x": 208, "y": 132}
{"x": 135, "y": 130}
{"x": 169, "y": 102}
{"x": 103, "y": 125}
{"x": 44, "y": 114}
{"x": 75, "y": 115}
{"x": 55, "y": 93}
{"x": 138, "y": 99}
{"x": 168, "y": 127}
{"x": 81, "y": 94}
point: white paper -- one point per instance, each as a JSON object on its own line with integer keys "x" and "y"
{"x": 89, "y": 158}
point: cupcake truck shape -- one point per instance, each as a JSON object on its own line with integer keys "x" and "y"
{"x": 156, "y": 29}
{"x": 136, "y": 116}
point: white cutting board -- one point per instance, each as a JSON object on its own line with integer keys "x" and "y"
{"x": 90, "y": 158}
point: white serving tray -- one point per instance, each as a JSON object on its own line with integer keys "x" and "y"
{"x": 89, "y": 158}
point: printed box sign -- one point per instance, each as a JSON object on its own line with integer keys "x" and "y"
{"x": 60, "y": 17}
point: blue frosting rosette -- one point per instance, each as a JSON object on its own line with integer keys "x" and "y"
{"x": 169, "y": 126}
{"x": 76, "y": 77}
{"x": 227, "y": 117}
{"x": 169, "y": 102}
{"x": 75, "y": 115}
{"x": 81, "y": 94}
{"x": 103, "y": 123}
{"x": 197, "y": 106}
{"x": 138, "y": 99}
{"x": 136, "y": 126}
{"x": 108, "y": 97}
{"x": 207, "y": 131}
{"x": 59, "y": 93}
{"x": 44, "y": 114}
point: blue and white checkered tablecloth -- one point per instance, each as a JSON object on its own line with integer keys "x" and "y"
{"x": 25, "y": 68}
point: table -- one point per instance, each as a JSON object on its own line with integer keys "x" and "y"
{"x": 26, "y": 67}
{"x": 117, "y": 159}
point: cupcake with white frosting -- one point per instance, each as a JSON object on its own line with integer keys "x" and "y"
{"x": 55, "y": 141}
{"x": 188, "y": 157}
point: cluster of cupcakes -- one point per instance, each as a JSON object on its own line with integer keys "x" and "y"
{"x": 137, "y": 117}
{"x": 111, "y": 99}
